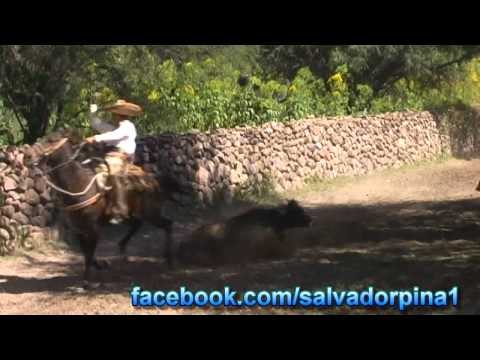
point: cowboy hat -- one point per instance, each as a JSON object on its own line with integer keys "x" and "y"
{"x": 123, "y": 107}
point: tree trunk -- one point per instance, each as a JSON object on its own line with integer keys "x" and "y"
{"x": 37, "y": 125}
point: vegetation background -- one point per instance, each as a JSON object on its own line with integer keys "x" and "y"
{"x": 205, "y": 87}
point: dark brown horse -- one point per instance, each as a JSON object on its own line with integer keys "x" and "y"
{"x": 86, "y": 204}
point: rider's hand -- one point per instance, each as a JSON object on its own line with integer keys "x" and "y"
{"x": 93, "y": 108}
{"x": 90, "y": 140}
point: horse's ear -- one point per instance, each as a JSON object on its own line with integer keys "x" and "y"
{"x": 76, "y": 135}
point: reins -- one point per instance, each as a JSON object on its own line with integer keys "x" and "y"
{"x": 83, "y": 204}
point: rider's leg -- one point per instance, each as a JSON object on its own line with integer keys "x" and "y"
{"x": 120, "y": 205}
{"x": 118, "y": 195}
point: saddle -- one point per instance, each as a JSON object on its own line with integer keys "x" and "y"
{"x": 139, "y": 180}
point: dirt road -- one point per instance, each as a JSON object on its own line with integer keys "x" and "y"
{"x": 398, "y": 229}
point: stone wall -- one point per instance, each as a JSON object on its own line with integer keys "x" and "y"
{"x": 25, "y": 205}
{"x": 225, "y": 161}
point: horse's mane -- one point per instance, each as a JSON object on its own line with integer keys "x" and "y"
{"x": 73, "y": 134}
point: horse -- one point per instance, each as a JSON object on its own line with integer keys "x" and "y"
{"x": 86, "y": 203}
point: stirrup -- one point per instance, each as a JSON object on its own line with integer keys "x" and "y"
{"x": 117, "y": 220}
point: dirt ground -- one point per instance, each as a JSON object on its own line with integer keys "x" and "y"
{"x": 393, "y": 230}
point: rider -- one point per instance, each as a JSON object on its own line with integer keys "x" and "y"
{"x": 123, "y": 138}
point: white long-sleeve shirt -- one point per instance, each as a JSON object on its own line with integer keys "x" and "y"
{"x": 123, "y": 137}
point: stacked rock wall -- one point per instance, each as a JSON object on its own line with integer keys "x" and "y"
{"x": 225, "y": 161}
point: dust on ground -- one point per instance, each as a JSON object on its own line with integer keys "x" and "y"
{"x": 392, "y": 230}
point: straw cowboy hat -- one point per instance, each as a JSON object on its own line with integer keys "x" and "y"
{"x": 123, "y": 107}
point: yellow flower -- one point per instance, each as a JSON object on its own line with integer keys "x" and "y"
{"x": 154, "y": 96}
{"x": 337, "y": 78}
{"x": 337, "y": 82}
{"x": 292, "y": 88}
{"x": 189, "y": 89}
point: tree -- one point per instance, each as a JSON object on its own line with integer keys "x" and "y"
{"x": 378, "y": 66}
{"x": 34, "y": 81}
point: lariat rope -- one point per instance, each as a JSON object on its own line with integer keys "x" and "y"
{"x": 63, "y": 191}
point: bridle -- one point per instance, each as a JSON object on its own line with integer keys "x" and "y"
{"x": 57, "y": 147}
{"x": 88, "y": 202}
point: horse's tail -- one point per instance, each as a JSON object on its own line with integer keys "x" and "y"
{"x": 171, "y": 186}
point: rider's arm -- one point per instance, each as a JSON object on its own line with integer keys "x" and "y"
{"x": 96, "y": 123}
{"x": 121, "y": 133}
{"x": 100, "y": 126}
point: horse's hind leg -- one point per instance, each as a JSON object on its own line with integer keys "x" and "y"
{"x": 135, "y": 225}
{"x": 169, "y": 245}
{"x": 100, "y": 264}
{"x": 167, "y": 225}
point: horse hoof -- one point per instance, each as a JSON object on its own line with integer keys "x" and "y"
{"x": 78, "y": 290}
{"x": 88, "y": 286}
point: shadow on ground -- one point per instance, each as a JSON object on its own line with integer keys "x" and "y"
{"x": 433, "y": 245}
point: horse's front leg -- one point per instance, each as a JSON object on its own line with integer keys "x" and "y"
{"x": 88, "y": 242}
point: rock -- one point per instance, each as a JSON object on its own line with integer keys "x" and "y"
{"x": 202, "y": 176}
{"x": 14, "y": 195}
{"x": 22, "y": 186}
{"x": 211, "y": 166}
{"x": 4, "y": 221}
{"x": 20, "y": 218}
{"x": 39, "y": 185}
{"x": 45, "y": 197}
{"x": 9, "y": 184}
{"x": 4, "y": 235}
{"x": 337, "y": 140}
{"x": 302, "y": 161}
{"x": 31, "y": 197}
{"x": 235, "y": 177}
{"x": 8, "y": 211}
{"x": 26, "y": 209}
{"x": 39, "y": 221}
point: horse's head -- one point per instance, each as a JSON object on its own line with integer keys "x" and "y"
{"x": 52, "y": 150}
